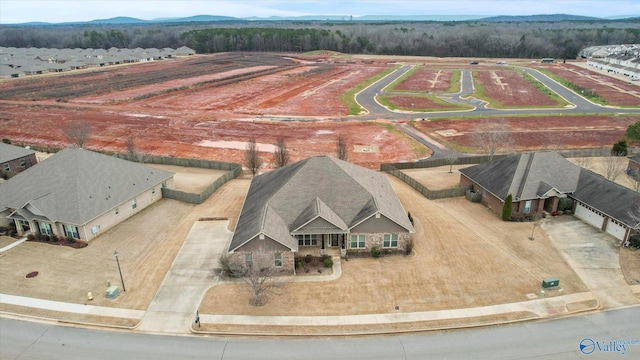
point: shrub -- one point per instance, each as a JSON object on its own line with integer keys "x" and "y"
{"x": 328, "y": 262}
{"x": 564, "y": 204}
{"x": 31, "y": 237}
{"x": 507, "y": 208}
{"x": 409, "y": 247}
{"x": 300, "y": 265}
{"x": 6, "y": 141}
{"x": 375, "y": 252}
{"x": 308, "y": 258}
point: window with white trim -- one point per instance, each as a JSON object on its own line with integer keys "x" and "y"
{"x": 45, "y": 228}
{"x": 357, "y": 242}
{"x": 23, "y": 163}
{"x": 307, "y": 239}
{"x": 7, "y": 167}
{"x": 134, "y": 203}
{"x": 248, "y": 260}
{"x": 390, "y": 240}
{"x": 527, "y": 207}
{"x": 71, "y": 231}
{"x": 278, "y": 259}
{"x": 153, "y": 190}
{"x": 117, "y": 211}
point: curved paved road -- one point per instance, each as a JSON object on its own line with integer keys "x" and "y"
{"x": 553, "y": 339}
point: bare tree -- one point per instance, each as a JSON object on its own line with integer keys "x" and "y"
{"x": 133, "y": 150}
{"x": 614, "y": 166}
{"x": 583, "y": 161}
{"x": 281, "y": 153}
{"x": 341, "y": 148}
{"x": 492, "y": 136}
{"x": 252, "y": 156}
{"x": 77, "y": 132}
{"x": 256, "y": 273}
{"x": 451, "y": 156}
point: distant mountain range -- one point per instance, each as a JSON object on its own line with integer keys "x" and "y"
{"x": 123, "y": 20}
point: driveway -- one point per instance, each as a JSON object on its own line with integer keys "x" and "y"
{"x": 594, "y": 256}
{"x": 192, "y": 273}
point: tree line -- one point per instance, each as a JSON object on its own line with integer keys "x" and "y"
{"x": 563, "y": 39}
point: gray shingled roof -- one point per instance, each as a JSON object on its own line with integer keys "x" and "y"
{"x": 526, "y": 176}
{"x": 11, "y": 152}
{"x": 615, "y": 200}
{"x": 75, "y": 185}
{"x": 635, "y": 158}
{"x": 341, "y": 193}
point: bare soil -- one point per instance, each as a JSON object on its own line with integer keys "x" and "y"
{"x": 428, "y": 80}
{"x": 614, "y": 91}
{"x": 539, "y": 132}
{"x": 511, "y": 90}
{"x": 464, "y": 257}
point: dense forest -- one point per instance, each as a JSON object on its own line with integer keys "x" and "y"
{"x": 561, "y": 39}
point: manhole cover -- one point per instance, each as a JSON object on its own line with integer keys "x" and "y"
{"x": 32, "y": 274}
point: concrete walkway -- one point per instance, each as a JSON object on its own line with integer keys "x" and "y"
{"x": 193, "y": 272}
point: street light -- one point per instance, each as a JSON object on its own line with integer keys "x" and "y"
{"x": 115, "y": 253}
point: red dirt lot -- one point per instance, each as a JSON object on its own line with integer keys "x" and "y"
{"x": 511, "y": 89}
{"x": 427, "y": 80}
{"x": 420, "y": 103}
{"x": 175, "y": 135}
{"x": 540, "y": 132}
{"x": 614, "y": 91}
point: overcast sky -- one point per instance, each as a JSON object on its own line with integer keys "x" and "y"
{"x": 55, "y": 11}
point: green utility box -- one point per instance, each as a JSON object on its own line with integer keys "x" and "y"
{"x": 112, "y": 292}
{"x": 550, "y": 283}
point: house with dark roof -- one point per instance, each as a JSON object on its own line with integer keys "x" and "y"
{"x": 78, "y": 193}
{"x": 317, "y": 205}
{"x": 15, "y": 158}
{"x": 537, "y": 181}
{"x": 633, "y": 169}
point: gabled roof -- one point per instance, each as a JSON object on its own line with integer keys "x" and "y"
{"x": 606, "y": 196}
{"x": 11, "y": 152}
{"x": 339, "y": 192}
{"x": 525, "y": 176}
{"x": 75, "y": 185}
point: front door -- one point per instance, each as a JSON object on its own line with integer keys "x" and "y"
{"x": 334, "y": 239}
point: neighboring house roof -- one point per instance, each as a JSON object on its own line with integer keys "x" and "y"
{"x": 531, "y": 175}
{"x": 11, "y": 152}
{"x": 343, "y": 195}
{"x": 75, "y": 186}
{"x": 526, "y": 176}
{"x": 635, "y": 158}
{"x": 616, "y": 201}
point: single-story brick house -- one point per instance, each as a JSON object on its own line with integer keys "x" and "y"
{"x": 16, "y": 158}
{"x": 317, "y": 205}
{"x": 79, "y": 193}
{"x": 537, "y": 181}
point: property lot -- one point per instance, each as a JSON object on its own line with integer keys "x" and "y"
{"x": 464, "y": 257}
{"x": 537, "y": 132}
{"x": 428, "y": 80}
{"x": 147, "y": 245}
{"x": 509, "y": 89}
{"x": 614, "y": 91}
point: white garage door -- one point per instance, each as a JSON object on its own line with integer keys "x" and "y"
{"x": 589, "y": 216}
{"x": 616, "y": 229}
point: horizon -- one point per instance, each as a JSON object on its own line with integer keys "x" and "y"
{"x": 58, "y": 11}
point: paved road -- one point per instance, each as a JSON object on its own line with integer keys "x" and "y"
{"x": 552, "y": 339}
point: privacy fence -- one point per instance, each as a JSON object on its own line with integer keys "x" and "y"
{"x": 233, "y": 171}
{"x": 395, "y": 170}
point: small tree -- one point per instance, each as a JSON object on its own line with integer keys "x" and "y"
{"x": 252, "y": 156}
{"x": 281, "y": 153}
{"x": 633, "y": 132}
{"x": 507, "y": 208}
{"x": 341, "y": 148}
{"x": 614, "y": 166}
{"x": 451, "y": 156}
{"x": 491, "y": 137}
{"x": 132, "y": 150}
{"x": 77, "y": 132}
{"x": 620, "y": 148}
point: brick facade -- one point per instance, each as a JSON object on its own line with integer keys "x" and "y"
{"x": 19, "y": 164}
